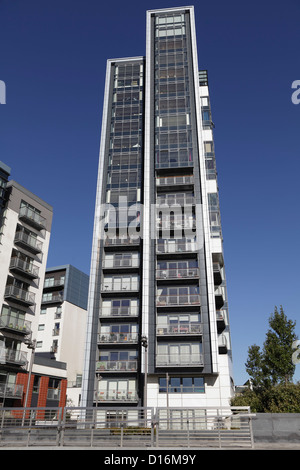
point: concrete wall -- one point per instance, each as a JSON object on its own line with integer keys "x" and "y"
{"x": 276, "y": 427}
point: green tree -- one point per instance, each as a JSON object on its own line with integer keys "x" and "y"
{"x": 273, "y": 365}
{"x": 278, "y": 351}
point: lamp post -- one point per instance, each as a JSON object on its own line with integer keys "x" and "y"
{"x": 144, "y": 343}
{"x": 31, "y": 344}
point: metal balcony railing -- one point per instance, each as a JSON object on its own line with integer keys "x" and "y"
{"x": 119, "y": 312}
{"x": 175, "y": 180}
{"x": 31, "y": 243}
{"x": 176, "y": 246}
{"x": 173, "y": 360}
{"x": 183, "y": 329}
{"x": 172, "y": 300}
{"x": 12, "y": 356}
{"x": 122, "y": 241}
{"x": 117, "y": 396}
{"x": 118, "y": 337}
{"x": 175, "y": 200}
{"x": 19, "y": 295}
{"x": 11, "y": 391}
{"x": 32, "y": 217}
{"x": 122, "y": 287}
{"x": 177, "y": 273}
{"x": 28, "y": 269}
{"x": 15, "y": 323}
{"x": 117, "y": 366}
{"x": 121, "y": 263}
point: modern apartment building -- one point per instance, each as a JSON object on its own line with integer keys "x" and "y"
{"x": 157, "y": 327}
{"x": 25, "y": 232}
{"x": 62, "y": 323}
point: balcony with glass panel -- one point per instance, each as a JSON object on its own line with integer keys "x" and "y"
{"x": 8, "y": 390}
{"x": 18, "y": 295}
{"x": 173, "y": 246}
{"x": 116, "y": 365}
{"x": 220, "y": 297}
{"x": 119, "y": 308}
{"x": 14, "y": 357}
{"x": 117, "y": 338}
{"x": 24, "y": 268}
{"x": 120, "y": 284}
{"x": 117, "y": 390}
{"x": 121, "y": 261}
{"x": 28, "y": 242}
{"x": 179, "y": 355}
{"x": 177, "y": 270}
{"x": 176, "y": 182}
{"x": 115, "y": 243}
{"x": 179, "y": 324}
{"x": 14, "y": 321}
{"x": 170, "y": 199}
{"x": 32, "y": 218}
{"x": 221, "y": 320}
{"x": 183, "y": 296}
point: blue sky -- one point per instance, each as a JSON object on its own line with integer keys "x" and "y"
{"x": 52, "y": 60}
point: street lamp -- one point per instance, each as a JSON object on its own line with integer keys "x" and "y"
{"x": 144, "y": 343}
{"x": 31, "y": 344}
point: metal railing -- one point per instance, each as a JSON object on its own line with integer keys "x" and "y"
{"x": 111, "y": 427}
{"x": 19, "y": 295}
{"x": 177, "y": 273}
{"x": 117, "y": 365}
{"x": 177, "y": 329}
{"x": 118, "y": 337}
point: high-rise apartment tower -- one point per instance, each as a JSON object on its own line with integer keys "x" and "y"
{"x": 157, "y": 327}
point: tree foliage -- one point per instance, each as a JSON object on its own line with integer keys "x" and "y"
{"x": 271, "y": 370}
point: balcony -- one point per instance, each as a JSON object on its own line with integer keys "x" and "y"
{"x": 124, "y": 262}
{"x": 177, "y": 274}
{"x": 117, "y": 396}
{"x": 169, "y": 200}
{"x": 13, "y": 357}
{"x": 217, "y": 274}
{"x": 222, "y": 343}
{"x": 28, "y": 242}
{"x": 21, "y": 296}
{"x": 15, "y": 324}
{"x": 175, "y": 246}
{"x": 182, "y": 360}
{"x": 173, "y": 225}
{"x": 176, "y": 182}
{"x": 183, "y": 300}
{"x": 119, "y": 311}
{"x": 120, "y": 287}
{"x": 116, "y": 366}
{"x": 176, "y": 330}
{"x": 219, "y": 297}
{"x": 221, "y": 321}
{"x": 117, "y": 338}
{"x": 11, "y": 391}
{"x": 52, "y": 298}
{"x": 51, "y": 284}
{"x": 24, "y": 268}
{"x": 32, "y": 218}
{"x": 124, "y": 243}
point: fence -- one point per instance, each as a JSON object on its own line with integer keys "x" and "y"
{"x": 126, "y": 427}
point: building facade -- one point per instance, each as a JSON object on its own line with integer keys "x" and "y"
{"x": 25, "y": 233}
{"x": 62, "y": 323}
{"x": 157, "y": 327}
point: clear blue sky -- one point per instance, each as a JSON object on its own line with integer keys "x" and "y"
{"x": 53, "y": 59}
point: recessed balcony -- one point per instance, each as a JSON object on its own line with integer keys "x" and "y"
{"x": 116, "y": 366}
{"x": 221, "y": 322}
{"x": 119, "y": 311}
{"x": 13, "y": 357}
{"x": 21, "y": 296}
{"x": 24, "y": 268}
{"x": 180, "y": 329}
{"x": 32, "y": 218}
{"x": 118, "y": 396}
{"x": 28, "y": 242}
{"x": 219, "y": 297}
{"x": 182, "y": 360}
{"x": 217, "y": 274}
{"x": 15, "y": 324}
{"x": 184, "y": 300}
{"x": 52, "y": 298}
{"x": 176, "y": 182}
{"x": 175, "y": 246}
{"x": 223, "y": 345}
{"x": 177, "y": 274}
{"x": 11, "y": 391}
{"x": 114, "y": 243}
{"x": 118, "y": 338}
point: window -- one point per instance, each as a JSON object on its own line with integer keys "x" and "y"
{"x": 41, "y": 327}
{"x": 182, "y": 385}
